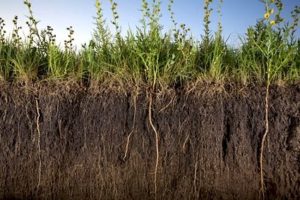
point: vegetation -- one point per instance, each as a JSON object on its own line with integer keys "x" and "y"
{"x": 269, "y": 51}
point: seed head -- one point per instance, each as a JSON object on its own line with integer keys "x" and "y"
{"x": 272, "y": 23}
{"x": 267, "y": 15}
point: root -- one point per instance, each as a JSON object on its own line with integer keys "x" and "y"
{"x": 164, "y": 108}
{"x": 38, "y": 141}
{"x": 195, "y": 178}
{"x": 185, "y": 142}
{"x": 262, "y": 185}
{"x": 156, "y": 144}
{"x": 132, "y": 129}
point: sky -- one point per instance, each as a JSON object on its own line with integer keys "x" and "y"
{"x": 238, "y": 15}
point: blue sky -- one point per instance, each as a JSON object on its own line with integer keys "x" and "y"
{"x": 237, "y": 15}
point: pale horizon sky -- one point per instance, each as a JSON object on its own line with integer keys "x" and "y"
{"x": 238, "y": 15}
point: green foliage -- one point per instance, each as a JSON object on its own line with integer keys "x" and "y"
{"x": 61, "y": 64}
{"x": 269, "y": 51}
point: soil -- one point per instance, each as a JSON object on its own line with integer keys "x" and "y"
{"x": 69, "y": 142}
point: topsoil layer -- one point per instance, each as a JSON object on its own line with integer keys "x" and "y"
{"x": 61, "y": 142}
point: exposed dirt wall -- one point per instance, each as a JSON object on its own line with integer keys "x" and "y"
{"x": 60, "y": 142}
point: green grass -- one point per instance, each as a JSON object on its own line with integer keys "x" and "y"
{"x": 270, "y": 52}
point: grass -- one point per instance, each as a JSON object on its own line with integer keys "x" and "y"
{"x": 269, "y": 51}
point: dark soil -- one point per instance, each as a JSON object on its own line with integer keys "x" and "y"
{"x": 63, "y": 142}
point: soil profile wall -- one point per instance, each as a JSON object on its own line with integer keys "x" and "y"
{"x": 59, "y": 142}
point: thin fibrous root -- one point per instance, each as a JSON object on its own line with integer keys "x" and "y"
{"x": 185, "y": 142}
{"x": 38, "y": 142}
{"x": 132, "y": 129}
{"x": 262, "y": 185}
{"x": 195, "y": 178}
{"x": 164, "y": 108}
{"x": 156, "y": 144}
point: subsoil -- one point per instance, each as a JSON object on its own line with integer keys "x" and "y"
{"x": 68, "y": 142}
